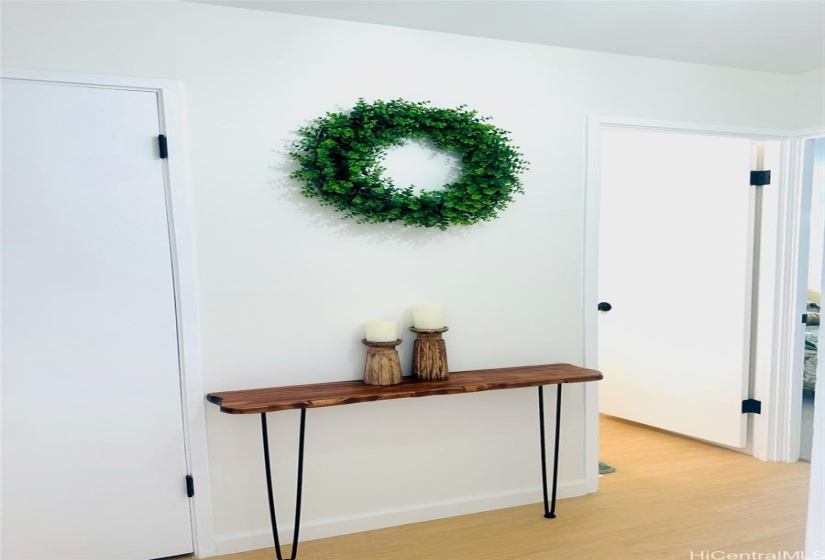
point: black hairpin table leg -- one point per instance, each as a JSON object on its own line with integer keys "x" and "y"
{"x": 550, "y": 509}
{"x": 299, "y": 491}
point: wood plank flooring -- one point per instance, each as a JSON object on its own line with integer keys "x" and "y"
{"x": 669, "y": 496}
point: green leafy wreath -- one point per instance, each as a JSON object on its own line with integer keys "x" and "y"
{"x": 340, "y": 155}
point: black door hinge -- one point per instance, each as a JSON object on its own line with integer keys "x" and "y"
{"x": 805, "y": 318}
{"x": 190, "y": 486}
{"x": 760, "y": 178}
{"x": 163, "y": 148}
{"x": 751, "y": 406}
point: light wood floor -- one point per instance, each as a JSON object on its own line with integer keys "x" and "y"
{"x": 669, "y": 496}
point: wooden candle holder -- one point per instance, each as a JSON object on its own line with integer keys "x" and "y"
{"x": 383, "y": 366}
{"x": 430, "y": 355}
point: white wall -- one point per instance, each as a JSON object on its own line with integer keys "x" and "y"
{"x": 287, "y": 285}
{"x": 809, "y": 102}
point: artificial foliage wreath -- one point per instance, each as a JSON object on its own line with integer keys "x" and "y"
{"x": 340, "y": 155}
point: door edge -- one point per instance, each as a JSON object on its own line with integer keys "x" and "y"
{"x": 783, "y": 385}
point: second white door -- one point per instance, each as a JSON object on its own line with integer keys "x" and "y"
{"x": 675, "y": 247}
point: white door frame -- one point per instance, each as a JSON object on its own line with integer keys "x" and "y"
{"x": 783, "y": 440}
{"x": 182, "y": 241}
{"x": 770, "y": 431}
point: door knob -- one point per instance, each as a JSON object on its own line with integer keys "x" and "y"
{"x": 604, "y": 306}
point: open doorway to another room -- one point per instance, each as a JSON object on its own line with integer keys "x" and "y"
{"x": 815, "y": 169}
{"x": 677, "y": 277}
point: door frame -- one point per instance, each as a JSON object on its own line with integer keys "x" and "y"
{"x": 784, "y": 445}
{"x": 182, "y": 244}
{"x": 769, "y": 431}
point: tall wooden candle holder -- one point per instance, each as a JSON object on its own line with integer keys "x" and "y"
{"x": 430, "y": 355}
{"x": 383, "y": 366}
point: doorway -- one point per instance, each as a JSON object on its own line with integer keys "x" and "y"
{"x": 676, "y": 264}
{"x": 813, "y": 178}
{"x": 773, "y": 435}
{"x": 683, "y": 259}
{"x": 94, "y": 456}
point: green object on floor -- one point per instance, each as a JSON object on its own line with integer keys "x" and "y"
{"x": 604, "y": 468}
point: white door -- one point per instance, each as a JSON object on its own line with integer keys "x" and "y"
{"x": 93, "y": 449}
{"x": 674, "y": 263}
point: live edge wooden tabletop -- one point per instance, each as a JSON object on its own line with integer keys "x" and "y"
{"x": 257, "y": 401}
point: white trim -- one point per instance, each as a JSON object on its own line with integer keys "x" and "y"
{"x": 769, "y": 282}
{"x": 590, "y": 294}
{"x": 600, "y": 121}
{"x": 391, "y": 517}
{"x": 814, "y": 536}
{"x": 764, "y": 425}
{"x": 809, "y": 133}
{"x": 785, "y": 408}
{"x": 74, "y": 79}
{"x": 590, "y": 395}
{"x": 182, "y": 240}
{"x": 192, "y": 390}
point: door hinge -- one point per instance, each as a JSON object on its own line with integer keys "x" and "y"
{"x": 805, "y": 318}
{"x": 190, "y": 486}
{"x": 163, "y": 148}
{"x": 760, "y": 178}
{"x": 751, "y": 406}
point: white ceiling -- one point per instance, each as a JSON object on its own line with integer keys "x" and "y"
{"x": 786, "y": 36}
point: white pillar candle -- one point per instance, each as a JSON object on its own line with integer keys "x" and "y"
{"x": 382, "y": 331}
{"x": 428, "y": 316}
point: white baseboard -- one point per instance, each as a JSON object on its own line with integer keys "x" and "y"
{"x": 390, "y": 517}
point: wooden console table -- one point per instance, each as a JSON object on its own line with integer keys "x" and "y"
{"x": 261, "y": 401}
